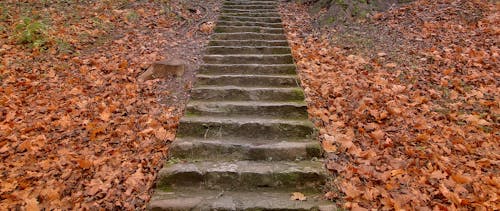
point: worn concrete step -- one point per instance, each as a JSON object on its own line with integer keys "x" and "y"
{"x": 248, "y": 43}
{"x": 241, "y": 175}
{"x": 247, "y": 50}
{"x": 272, "y": 3}
{"x": 241, "y": 23}
{"x": 249, "y": 59}
{"x": 260, "y": 199}
{"x": 244, "y": 127}
{"x": 224, "y": 10}
{"x": 250, "y": 4}
{"x": 254, "y": 69}
{"x": 247, "y": 36}
{"x": 250, "y": 7}
{"x": 256, "y": 29}
{"x": 282, "y": 110}
{"x": 253, "y": 14}
{"x": 210, "y": 149}
{"x": 250, "y": 19}
{"x": 237, "y": 93}
{"x": 247, "y": 80}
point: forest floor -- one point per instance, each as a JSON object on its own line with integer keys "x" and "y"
{"x": 77, "y": 130}
{"x": 407, "y": 102}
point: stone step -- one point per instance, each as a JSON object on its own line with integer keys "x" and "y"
{"x": 238, "y": 69}
{"x": 257, "y": 2}
{"x": 247, "y": 36}
{"x": 250, "y": 19}
{"x": 250, "y": 7}
{"x": 247, "y": 80}
{"x": 217, "y": 149}
{"x": 252, "y": 14}
{"x": 223, "y": 11}
{"x": 235, "y": 29}
{"x": 247, "y": 50}
{"x": 252, "y": 4}
{"x": 241, "y": 23}
{"x": 248, "y": 43}
{"x": 244, "y": 127}
{"x": 249, "y": 59}
{"x": 258, "y": 199}
{"x": 236, "y": 93}
{"x": 239, "y": 175}
{"x": 282, "y": 110}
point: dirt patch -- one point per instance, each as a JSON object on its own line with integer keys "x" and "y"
{"x": 77, "y": 131}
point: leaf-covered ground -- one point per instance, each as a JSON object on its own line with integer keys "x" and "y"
{"x": 407, "y": 104}
{"x": 76, "y": 128}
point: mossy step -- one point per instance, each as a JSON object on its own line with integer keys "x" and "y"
{"x": 272, "y": 3}
{"x": 250, "y": 7}
{"x": 244, "y": 127}
{"x": 253, "y": 14}
{"x": 258, "y": 199}
{"x": 282, "y": 110}
{"x": 247, "y": 50}
{"x": 254, "y": 69}
{"x": 236, "y": 43}
{"x": 249, "y": 59}
{"x": 224, "y": 10}
{"x": 256, "y": 29}
{"x": 238, "y": 175}
{"x": 247, "y": 80}
{"x": 237, "y": 93}
{"x": 241, "y": 23}
{"x": 231, "y": 149}
{"x": 247, "y": 36}
{"x": 250, "y": 19}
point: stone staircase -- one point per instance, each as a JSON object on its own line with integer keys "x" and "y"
{"x": 245, "y": 142}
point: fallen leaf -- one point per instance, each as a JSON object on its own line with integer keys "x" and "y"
{"x": 453, "y": 197}
{"x": 84, "y": 164}
{"x": 377, "y": 134}
{"x": 297, "y": 196}
{"x": 461, "y": 179}
{"x": 391, "y": 65}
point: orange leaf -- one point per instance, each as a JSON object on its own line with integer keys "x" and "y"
{"x": 84, "y": 164}
{"x": 297, "y": 196}
{"x": 377, "y": 134}
{"x": 462, "y": 179}
{"x": 328, "y": 143}
{"x": 453, "y": 197}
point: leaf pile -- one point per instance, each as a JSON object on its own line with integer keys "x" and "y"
{"x": 76, "y": 128}
{"x": 420, "y": 135}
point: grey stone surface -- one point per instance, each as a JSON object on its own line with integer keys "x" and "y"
{"x": 261, "y": 199}
{"x": 247, "y": 80}
{"x": 237, "y": 93}
{"x": 247, "y": 23}
{"x": 238, "y": 175}
{"x": 248, "y": 50}
{"x": 265, "y": 109}
{"x": 248, "y": 59}
{"x": 245, "y": 142}
{"x": 237, "y": 149}
{"x": 251, "y": 69}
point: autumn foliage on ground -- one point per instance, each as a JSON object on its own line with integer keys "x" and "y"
{"x": 76, "y": 128}
{"x": 418, "y": 134}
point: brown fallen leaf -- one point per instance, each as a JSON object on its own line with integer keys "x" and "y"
{"x": 84, "y": 164}
{"x": 298, "y": 196}
{"x": 391, "y": 65}
{"x": 377, "y": 134}
{"x": 328, "y": 144}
